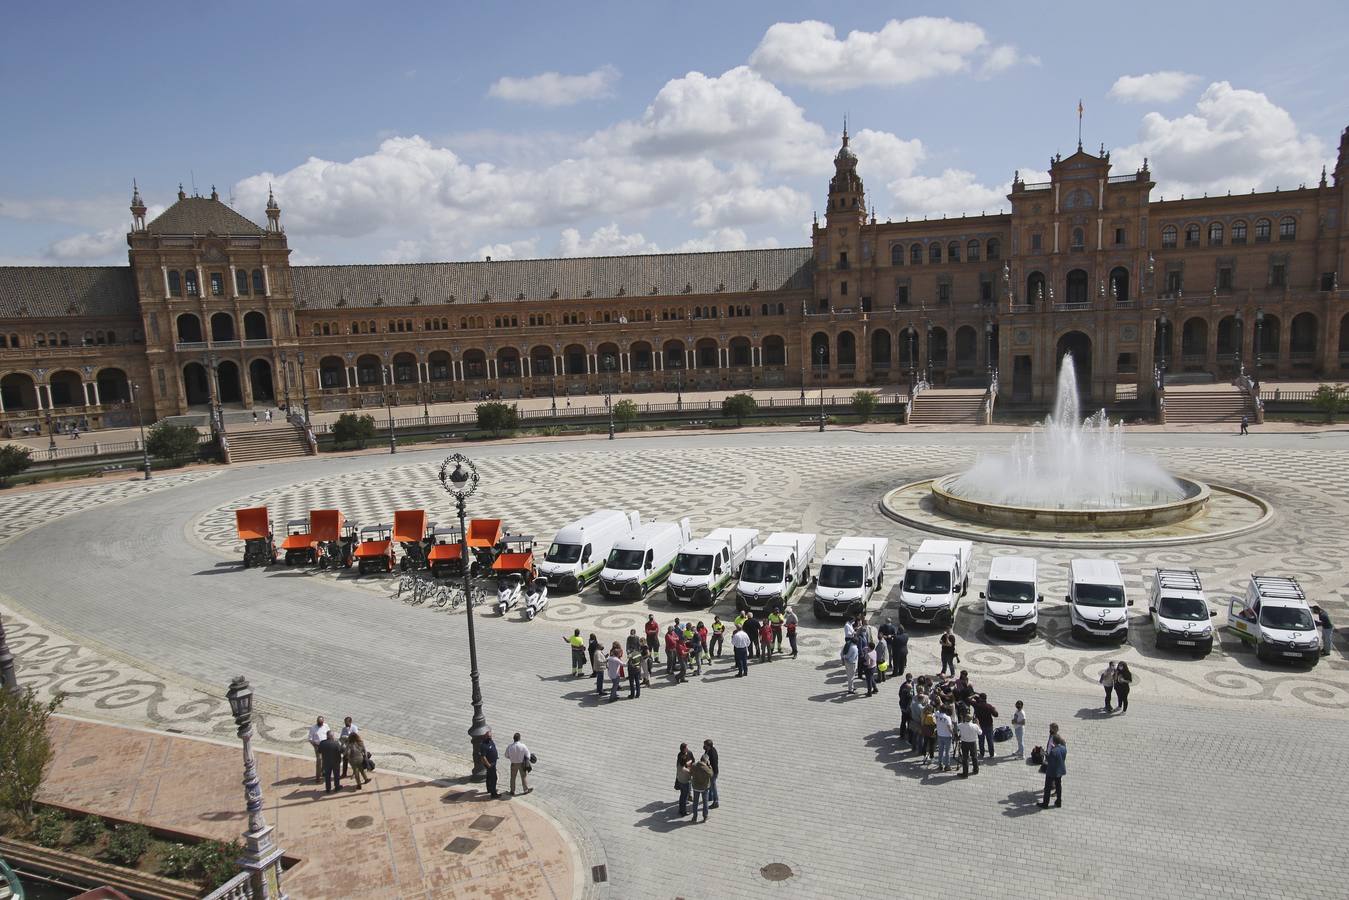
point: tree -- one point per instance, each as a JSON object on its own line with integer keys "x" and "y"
{"x": 1331, "y": 399}
{"x": 498, "y": 417}
{"x": 13, "y": 460}
{"x": 624, "y": 412}
{"x": 738, "y": 406}
{"x": 864, "y": 404}
{"x": 353, "y": 429}
{"x": 26, "y": 751}
{"x": 176, "y": 443}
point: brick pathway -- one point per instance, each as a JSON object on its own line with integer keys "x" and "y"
{"x": 390, "y": 839}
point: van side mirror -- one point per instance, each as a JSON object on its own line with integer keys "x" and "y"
{"x": 1067, "y": 599}
{"x": 1040, "y": 599}
{"x": 814, "y": 580}
{"x": 1212, "y": 613}
{"x": 982, "y": 596}
{"x": 1130, "y": 602}
{"x": 868, "y": 582}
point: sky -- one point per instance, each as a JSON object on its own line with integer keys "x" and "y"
{"x": 410, "y": 132}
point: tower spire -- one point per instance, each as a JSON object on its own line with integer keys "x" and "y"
{"x": 273, "y": 211}
{"x": 137, "y": 207}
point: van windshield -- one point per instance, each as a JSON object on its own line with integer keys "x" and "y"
{"x": 1100, "y": 595}
{"x": 625, "y": 559}
{"x": 919, "y": 581}
{"x": 563, "y": 553}
{"x": 693, "y": 564}
{"x": 1287, "y": 618}
{"x": 762, "y": 572}
{"x": 840, "y": 576}
{"x": 1187, "y": 609}
{"x": 1010, "y": 592}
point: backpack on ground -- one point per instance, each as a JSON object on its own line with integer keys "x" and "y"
{"x": 1037, "y": 756}
{"x": 1002, "y": 733}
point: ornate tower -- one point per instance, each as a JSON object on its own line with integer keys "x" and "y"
{"x": 838, "y": 245}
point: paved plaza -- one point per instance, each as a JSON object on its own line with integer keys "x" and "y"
{"x": 1223, "y": 778}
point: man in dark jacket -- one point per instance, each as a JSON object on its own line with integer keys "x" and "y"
{"x": 1056, "y": 767}
{"x": 984, "y": 714}
{"x": 711, "y": 753}
{"x": 331, "y": 753}
{"x": 487, "y": 756}
{"x": 899, "y": 649}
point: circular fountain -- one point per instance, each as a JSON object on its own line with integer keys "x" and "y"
{"x": 1071, "y": 481}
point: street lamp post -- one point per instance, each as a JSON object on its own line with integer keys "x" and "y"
{"x": 304, "y": 390}
{"x": 140, "y": 423}
{"x": 262, "y": 858}
{"x": 552, "y": 386}
{"x": 821, "y": 354}
{"x": 7, "y": 680}
{"x": 213, "y": 384}
{"x": 459, "y": 478}
{"x": 927, "y": 369}
{"x": 1162, "y": 334}
{"x": 1259, "y": 327}
{"x": 1241, "y": 338}
{"x": 393, "y": 435}
{"x": 609, "y": 390}
{"x": 285, "y": 380}
{"x": 988, "y": 332}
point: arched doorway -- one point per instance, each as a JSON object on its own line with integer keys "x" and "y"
{"x": 740, "y": 352}
{"x": 1119, "y": 283}
{"x": 1194, "y": 344}
{"x": 706, "y": 351}
{"x": 674, "y": 354}
{"x": 541, "y": 360}
{"x": 1079, "y": 345}
{"x": 189, "y": 329}
{"x": 1302, "y": 337}
{"x": 332, "y": 372}
{"x": 369, "y": 371}
{"x": 255, "y": 326}
{"x": 967, "y": 349}
{"x": 227, "y": 382}
{"x": 880, "y": 349}
{"x": 113, "y": 386}
{"x": 1267, "y": 340}
{"x": 404, "y": 368}
{"x": 936, "y": 349}
{"x": 508, "y": 362}
{"x": 1077, "y": 287}
{"x": 438, "y": 365}
{"x": 819, "y": 349}
{"x": 847, "y": 348}
{"x": 260, "y": 379}
{"x": 774, "y": 351}
{"x": 222, "y": 327}
{"x": 574, "y": 358}
{"x": 195, "y": 386}
{"x": 908, "y": 348}
{"x": 641, "y": 357}
{"x": 66, "y": 389}
{"x": 475, "y": 365}
{"x": 607, "y": 360}
{"x": 19, "y": 391}
{"x": 1035, "y": 288}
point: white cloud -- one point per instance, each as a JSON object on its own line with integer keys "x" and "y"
{"x": 954, "y": 192}
{"x": 608, "y": 240}
{"x": 89, "y": 245}
{"x": 747, "y": 205}
{"x": 1004, "y": 57}
{"x": 1234, "y": 140}
{"x": 556, "y": 89}
{"x": 523, "y": 249}
{"x": 719, "y": 239}
{"x": 1154, "y": 87}
{"x": 884, "y": 157}
{"x": 902, "y": 52}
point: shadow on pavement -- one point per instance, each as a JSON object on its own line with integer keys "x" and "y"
{"x": 1093, "y": 712}
{"x": 1021, "y": 803}
{"x": 662, "y": 816}
{"x": 895, "y": 755}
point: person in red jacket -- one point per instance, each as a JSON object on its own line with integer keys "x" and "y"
{"x": 671, "y": 652}
{"x": 766, "y": 639}
{"x": 682, "y": 652}
{"x": 653, "y": 638}
{"x": 702, "y": 642}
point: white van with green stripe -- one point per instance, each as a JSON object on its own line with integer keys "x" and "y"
{"x": 643, "y": 559}
{"x": 578, "y": 550}
{"x": 705, "y": 568}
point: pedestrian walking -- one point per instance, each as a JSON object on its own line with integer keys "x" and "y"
{"x": 740, "y": 647}
{"x": 1056, "y": 767}
{"x": 984, "y": 714}
{"x": 317, "y": 733}
{"x": 789, "y": 623}
{"x": 683, "y": 762}
{"x": 487, "y": 758}
{"x": 714, "y": 758}
{"x": 1107, "y": 680}
{"x": 775, "y": 620}
{"x": 905, "y": 704}
{"x": 331, "y": 753}
{"x": 519, "y": 757}
{"x": 899, "y": 650}
{"x": 948, "y": 653}
{"x": 1245, "y": 425}
{"x": 1019, "y": 729}
{"x": 671, "y": 651}
{"x": 255, "y": 417}
{"x": 348, "y": 729}
{"x": 578, "y": 653}
{"x": 971, "y": 735}
{"x": 700, "y": 779}
{"x": 1327, "y": 629}
{"x": 596, "y": 651}
{"x": 652, "y": 629}
{"x": 616, "y": 670}
{"x": 850, "y": 665}
{"x": 355, "y": 754}
{"x": 1124, "y": 680}
{"x": 718, "y": 634}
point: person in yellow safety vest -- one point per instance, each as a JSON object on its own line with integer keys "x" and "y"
{"x": 741, "y": 618}
{"x": 578, "y": 653}
{"x": 718, "y": 632}
{"x": 775, "y": 619}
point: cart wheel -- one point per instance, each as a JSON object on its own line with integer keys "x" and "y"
{"x": 403, "y": 564}
{"x": 388, "y": 565}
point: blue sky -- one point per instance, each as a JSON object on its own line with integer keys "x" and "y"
{"x": 405, "y": 132}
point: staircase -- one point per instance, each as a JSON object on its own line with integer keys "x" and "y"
{"x": 1207, "y": 404}
{"x": 248, "y": 444}
{"x": 948, "y": 406}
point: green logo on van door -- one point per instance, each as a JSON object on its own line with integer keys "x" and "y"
{"x": 658, "y": 576}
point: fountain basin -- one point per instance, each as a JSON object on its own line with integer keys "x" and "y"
{"x": 1032, "y": 518}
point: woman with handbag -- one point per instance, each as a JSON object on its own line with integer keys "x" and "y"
{"x": 356, "y": 758}
{"x": 1123, "y": 680}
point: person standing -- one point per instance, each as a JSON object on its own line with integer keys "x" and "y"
{"x": 868, "y": 663}
{"x": 683, "y": 777}
{"x": 596, "y": 651}
{"x": 646, "y": 665}
{"x": 766, "y": 639}
{"x": 711, "y": 755}
{"x": 671, "y": 651}
{"x": 929, "y": 720}
{"x": 518, "y": 754}
{"x": 355, "y": 754}
{"x": 752, "y": 625}
{"x": 682, "y": 653}
{"x": 348, "y": 729}
{"x": 634, "y": 671}
{"x": 984, "y": 714}
{"x": 775, "y": 619}
{"x": 653, "y": 637}
{"x": 633, "y": 642}
{"x": 700, "y": 779}
{"x": 718, "y": 635}
{"x": 945, "y": 734}
{"x": 789, "y": 622}
{"x": 695, "y": 650}
{"x": 1019, "y": 729}
{"x": 740, "y": 647}
{"x": 905, "y": 702}
{"x": 899, "y": 650}
{"x": 615, "y": 665}
{"x": 317, "y": 733}
{"x": 971, "y": 736}
{"x": 1245, "y": 425}
{"x": 850, "y": 665}
{"x": 882, "y": 652}
{"x": 600, "y": 674}
{"x": 948, "y": 653}
{"x": 487, "y": 758}
{"x": 578, "y": 653}
{"x": 1108, "y": 682}
{"x": 704, "y": 647}
{"x": 1124, "y": 680}
{"x": 331, "y": 752}
{"x": 1327, "y": 629}
{"x": 1056, "y": 767}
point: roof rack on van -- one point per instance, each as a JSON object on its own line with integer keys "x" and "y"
{"x": 1179, "y": 580}
{"x": 1278, "y": 586}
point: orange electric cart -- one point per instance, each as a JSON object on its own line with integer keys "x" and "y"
{"x": 255, "y": 530}
{"x": 415, "y": 535}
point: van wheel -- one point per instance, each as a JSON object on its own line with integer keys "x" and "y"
{"x": 1260, "y": 653}
{"x": 1078, "y": 634}
{"x": 819, "y": 613}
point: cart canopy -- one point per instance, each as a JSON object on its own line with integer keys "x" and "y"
{"x": 409, "y": 525}
{"x": 326, "y": 524}
{"x": 484, "y": 533}
{"x": 252, "y": 523}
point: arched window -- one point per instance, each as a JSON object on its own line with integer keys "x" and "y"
{"x": 994, "y": 248}
{"x": 953, "y": 251}
{"x": 1262, "y": 231}
{"x": 259, "y": 286}
{"x": 1168, "y": 237}
{"x": 1287, "y": 228}
{"x": 896, "y": 254}
{"x": 241, "y": 281}
{"x": 175, "y": 284}
{"x": 1079, "y": 239}
{"x": 65, "y": 339}
{"x": 934, "y": 252}
{"x": 972, "y": 251}
{"x": 40, "y": 339}
{"x": 1215, "y": 234}
{"x": 100, "y": 337}
{"x": 1238, "y": 232}
{"x": 1191, "y": 235}
{"x": 916, "y": 254}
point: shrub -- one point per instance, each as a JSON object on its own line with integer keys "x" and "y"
{"x": 738, "y": 406}
{"x": 128, "y": 844}
{"x": 353, "y": 429}
{"x": 176, "y": 443}
{"x": 215, "y": 862}
{"x": 49, "y": 828}
{"x": 498, "y": 417}
{"x": 25, "y": 751}
{"x": 625, "y": 411}
{"x": 864, "y": 404}
{"x": 1331, "y": 399}
{"x": 13, "y": 460}
{"x": 88, "y": 830}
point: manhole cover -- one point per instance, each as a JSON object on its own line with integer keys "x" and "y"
{"x": 462, "y": 845}
{"x": 360, "y": 822}
{"x": 776, "y": 871}
{"x": 486, "y": 823}
{"x": 84, "y": 761}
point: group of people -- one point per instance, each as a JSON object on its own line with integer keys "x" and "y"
{"x": 697, "y": 781}
{"x": 1117, "y": 680}
{"x": 688, "y": 646}
{"x": 872, "y": 653}
{"x": 338, "y": 753}
{"x": 939, "y": 713}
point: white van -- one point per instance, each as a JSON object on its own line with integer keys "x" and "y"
{"x": 643, "y": 559}
{"x": 851, "y": 572}
{"x": 774, "y": 571}
{"x": 579, "y": 548}
{"x": 1097, "y": 600}
{"x": 1275, "y": 617}
{"x": 706, "y": 567}
{"x": 1179, "y": 611}
{"x": 1011, "y": 600}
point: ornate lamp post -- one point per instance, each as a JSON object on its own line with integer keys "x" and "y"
{"x": 609, "y": 390}
{"x": 140, "y": 423}
{"x": 912, "y": 333}
{"x": 822, "y": 351}
{"x": 213, "y": 385}
{"x": 679, "y": 382}
{"x": 459, "y": 478}
{"x": 1162, "y": 324}
{"x": 262, "y": 858}
{"x": 7, "y": 680}
{"x": 927, "y": 369}
{"x": 285, "y": 375}
{"x": 1259, "y": 326}
{"x": 1241, "y": 339}
{"x": 988, "y": 332}
{"x": 304, "y": 390}
{"x": 552, "y": 386}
